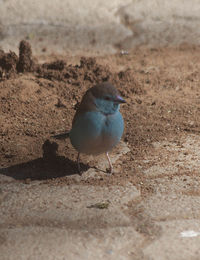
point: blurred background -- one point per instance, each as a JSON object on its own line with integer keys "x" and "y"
{"x": 97, "y": 25}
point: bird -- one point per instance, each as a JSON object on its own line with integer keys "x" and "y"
{"x": 97, "y": 125}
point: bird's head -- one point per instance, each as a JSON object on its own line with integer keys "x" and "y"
{"x": 106, "y": 98}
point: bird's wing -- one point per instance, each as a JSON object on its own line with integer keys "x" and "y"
{"x": 87, "y": 104}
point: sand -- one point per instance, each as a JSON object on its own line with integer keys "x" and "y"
{"x": 142, "y": 210}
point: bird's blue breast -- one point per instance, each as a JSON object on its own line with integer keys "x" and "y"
{"x": 95, "y": 133}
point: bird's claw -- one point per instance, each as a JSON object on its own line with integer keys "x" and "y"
{"x": 109, "y": 170}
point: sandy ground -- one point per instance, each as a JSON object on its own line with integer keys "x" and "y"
{"x": 149, "y": 207}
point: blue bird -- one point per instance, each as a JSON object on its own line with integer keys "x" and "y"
{"x": 98, "y": 124}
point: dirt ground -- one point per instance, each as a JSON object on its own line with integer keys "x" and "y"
{"x": 38, "y": 98}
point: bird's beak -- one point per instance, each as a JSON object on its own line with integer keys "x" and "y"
{"x": 119, "y": 99}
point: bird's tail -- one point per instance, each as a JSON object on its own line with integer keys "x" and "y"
{"x": 61, "y": 136}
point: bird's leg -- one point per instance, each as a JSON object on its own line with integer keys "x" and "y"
{"x": 110, "y": 164}
{"x": 78, "y": 164}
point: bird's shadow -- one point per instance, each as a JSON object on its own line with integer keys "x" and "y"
{"x": 49, "y": 166}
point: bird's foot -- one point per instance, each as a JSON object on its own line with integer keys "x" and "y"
{"x": 78, "y": 165}
{"x": 110, "y": 169}
{"x": 80, "y": 172}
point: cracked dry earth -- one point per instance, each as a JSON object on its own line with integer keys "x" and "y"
{"x": 149, "y": 208}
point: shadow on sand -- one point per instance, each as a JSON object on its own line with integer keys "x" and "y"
{"x": 49, "y": 166}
